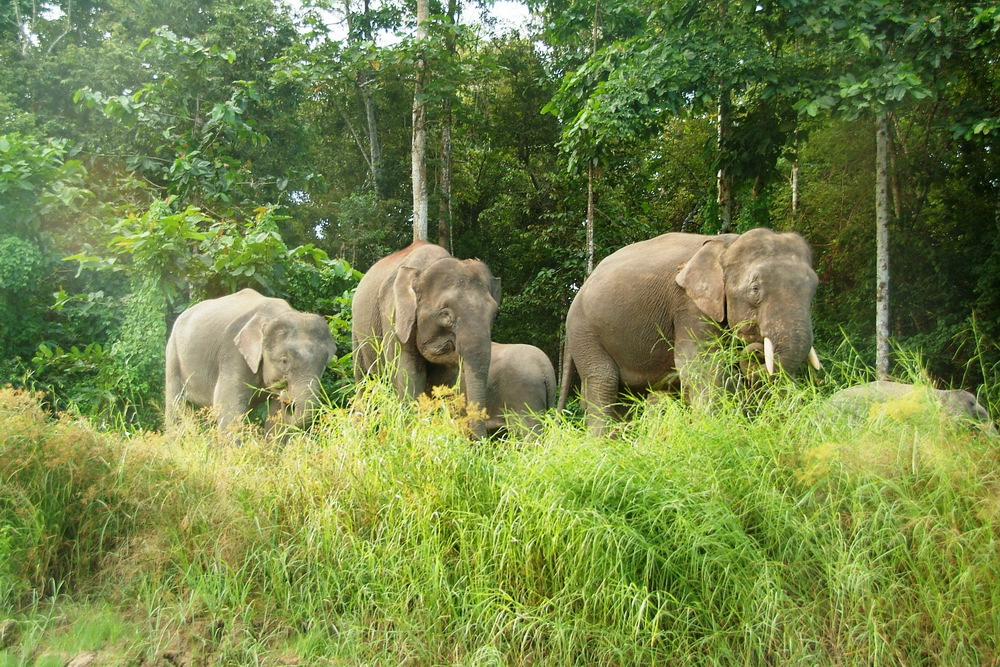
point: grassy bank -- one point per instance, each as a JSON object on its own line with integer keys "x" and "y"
{"x": 689, "y": 539}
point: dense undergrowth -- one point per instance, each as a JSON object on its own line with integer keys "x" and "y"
{"x": 385, "y": 536}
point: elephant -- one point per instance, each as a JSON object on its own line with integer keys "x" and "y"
{"x": 859, "y": 400}
{"x": 522, "y": 384}
{"x": 233, "y": 352}
{"x": 645, "y": 318}
{"x": 426, "y": 317}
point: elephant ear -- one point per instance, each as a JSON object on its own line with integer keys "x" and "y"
{"x": 405, "y": 294}
{"x": 331, "y": 352}
{"x": 250, "y": 341}
{"x": 703, "y": 277}
{"x": 495, "y": 289}
{"x": 328, "y": 343}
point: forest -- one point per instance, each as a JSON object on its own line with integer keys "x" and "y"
{"x": 155, "y": 154}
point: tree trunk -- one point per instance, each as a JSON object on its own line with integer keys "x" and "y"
{"x": 364, "y": 81}
{"x": 418, "y": 150}
{"x": 594, "y": 35}
{"x": 882, "y": 246}
{"x": 590, "y": 219}
{"x": 897, "y": 197}
{"x": 444, "y": 206}
{"x": 374, "y": 148}
{"x": 724, "y": 179}
{"x": 795, "y": 176}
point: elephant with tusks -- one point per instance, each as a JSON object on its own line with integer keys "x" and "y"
{"x": 645, "y": 318}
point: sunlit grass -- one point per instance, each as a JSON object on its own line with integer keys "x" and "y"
{"x": 386, "y": 536}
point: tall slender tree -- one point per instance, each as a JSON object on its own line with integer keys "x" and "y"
{"x": 418, "y": 150}
{"x": 889, "y": 55}
{"x": 882, "y": 245}
{"x": 447, "y": 120}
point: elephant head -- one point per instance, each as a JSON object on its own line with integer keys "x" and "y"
{"x": 762, "y": 284}
{"x": 290, "y": 349}
{"x": 961, "y": 402}
{"x": 446, "y": 311}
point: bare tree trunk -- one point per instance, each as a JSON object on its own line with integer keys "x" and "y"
{"x": 590, "y": 218}
{"x": 364, "y": 81}
{"x": 444, "y": 206}
{"x": 374, "y": 149}
{"x": 418, "y": 150}
{"x": 795, "y": 176}
{"x": 594, "y": 35}
{"x": 897, "y": 197}
{"x": 882, "y": 246}
{"x": 724, "y": 179}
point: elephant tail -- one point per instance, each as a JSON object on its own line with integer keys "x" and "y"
{"x": 567, "y": 379}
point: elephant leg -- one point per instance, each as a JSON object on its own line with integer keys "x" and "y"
{"x": 599, "y": 392}
{"x": 231, "y": 402}
{"x": 530, "y": 423}
{"x": 363, "y": 357}
{"x": 700, "y": 375}
{"x": 174, "y": 399}
{"x": 410, "y": 379}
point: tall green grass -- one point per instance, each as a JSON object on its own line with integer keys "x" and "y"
{"x": 386, "y": 536}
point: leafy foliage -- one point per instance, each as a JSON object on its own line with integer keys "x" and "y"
{"x": 192, "y": 130}
{"x": 186, "y": 133}
{"x": 174, "y": 258}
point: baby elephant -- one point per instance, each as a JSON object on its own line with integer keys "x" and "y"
{"x": 522, "y": 381}
{"x": 233, "y": 352}
{"x": 858, "y": 400}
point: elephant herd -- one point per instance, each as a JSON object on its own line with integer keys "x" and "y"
{"x": 644, "y": 320}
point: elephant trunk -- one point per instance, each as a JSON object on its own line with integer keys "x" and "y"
{"x": 789, "y": 348}
{"x": 303, "y": 395}
{"x": 475, "y": 356}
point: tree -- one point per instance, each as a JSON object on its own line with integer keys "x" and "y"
{"x": 679, "y": 58}
{"x": 418, "y": 150}
{"x": 43, "y": 195}
{"x": 890, "y": 55}
{"x": 200, "y": 127}
{"x": 349, "y": 68}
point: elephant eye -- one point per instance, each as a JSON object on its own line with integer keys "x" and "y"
{"x": 446, "y": 318}
{"x": 755, "y": 292}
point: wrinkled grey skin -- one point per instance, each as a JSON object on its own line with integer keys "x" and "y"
{"x": 424, "y": 314}
{"x": 522, "y": 384}
{"x": 959, "y": 403}
{"x": 642, "y": 319}
{"x": 225, "y": 353}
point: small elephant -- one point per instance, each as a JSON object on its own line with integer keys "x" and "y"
{"x": 423, "y": 315}
{"x": 232, "y": 352}
{"x": 522, "y": 384}
{"x": 859, "y": 399}
{"x": 644, "y": 318}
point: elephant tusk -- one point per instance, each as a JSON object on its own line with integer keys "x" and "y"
{"x": 814, "y": 359}
{"x": 769, "y": 356}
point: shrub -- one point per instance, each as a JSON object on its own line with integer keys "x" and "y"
{"x": 386, "y": 536}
